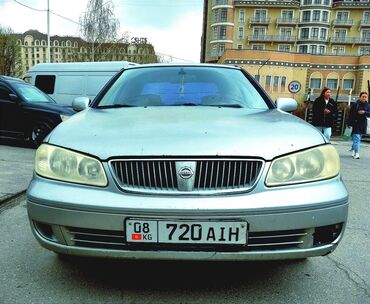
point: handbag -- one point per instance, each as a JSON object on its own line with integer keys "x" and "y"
{"x": 347, "y": 133}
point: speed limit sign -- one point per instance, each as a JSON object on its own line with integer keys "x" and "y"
{"x": 294, "y": 86}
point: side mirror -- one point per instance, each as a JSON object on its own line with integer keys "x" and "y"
{"x": 14, "y": 97}
{"x": 286, "y": 104}
{"x": 80, "y": 103}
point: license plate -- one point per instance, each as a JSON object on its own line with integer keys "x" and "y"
{"x": 188, "y": 232}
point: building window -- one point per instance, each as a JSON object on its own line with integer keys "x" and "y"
{"x": 286, "y": 15}
{"x": 306, "y": 16}
{"x": 240, "y": 33}
{"x": 303, "y": 49}
{"x": 223, "y": 32}
{"x": 315, "y": 83}
{"x": 332, "y": 83}
{"x": 321, "y": 49}
{"x": 325, "y": 16}
{"x": 223, "y": 15}
{"x": 215, "y": 33}
{"x": 314, "y": 33}
{"x": 348, "y": 84}
{"x": 258, "y": 47}
{"x": 366, "y": 16}
{"x": 284, "y": 47}
{"x": 323, "y": 34}
{"x": 326, "y": 2}
{"x": 240, "y": 46}
{"x": 365, "y": 35}
{"x": 286, "y": 32}
{"x": 307, "y": 2}
{"x": 268, "y": 82}
{"x": 339, "y": 50}
{"x": 316, "y": 15}
{"x": 364, "y": 50}
{"x": 259, "y": 32}
{"x": 317, "y": 1}
{"x": 283, "y": 83}
{"x": 305, "y": 33}
{"x": 257, "y": 78}
{"x": 241, "y": 16}
{"x": 313, "y": 49}
{"x": 342, "y": 16}
{"x": 215, "y": 16}
{"x": 260, "y": 14}
{"x": 221, "y": 48}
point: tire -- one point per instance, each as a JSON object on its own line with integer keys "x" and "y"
{"x": 38, "y": 133}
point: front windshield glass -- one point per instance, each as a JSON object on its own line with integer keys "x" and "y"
{"x": 33, "y": 94}
{"x": 183, "y": 86}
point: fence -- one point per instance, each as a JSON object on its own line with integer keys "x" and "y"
{"x": 339, "y": 123}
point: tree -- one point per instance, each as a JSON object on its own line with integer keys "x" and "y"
{"x": 10, "y": 54}
{"x": 99, "y": 26}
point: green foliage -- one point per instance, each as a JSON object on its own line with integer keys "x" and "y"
{"x": 10, "y": 54}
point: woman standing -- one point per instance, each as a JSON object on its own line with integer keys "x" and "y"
{"x": 357, "y": 120}
{"x": 324, "y": 110}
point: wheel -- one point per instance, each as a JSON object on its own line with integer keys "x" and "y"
{"x": 38, "y": 133}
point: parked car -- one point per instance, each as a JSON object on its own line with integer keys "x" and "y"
{"x": 26, "y": 112}
{"x": 187, "y": 162}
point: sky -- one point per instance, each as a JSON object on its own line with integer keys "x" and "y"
{"x": 174, "y": 27}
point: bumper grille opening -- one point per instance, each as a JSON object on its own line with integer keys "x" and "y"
{"x": 326, "y": 234}
{"x": 45, "y": 230}
{"x": 257, "y": 241}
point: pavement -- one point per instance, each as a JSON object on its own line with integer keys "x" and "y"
{"x": 16, "y": 169}
{"x": 17, "y": 162}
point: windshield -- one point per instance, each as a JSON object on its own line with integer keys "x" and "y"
{"x": 182, "y": 86}
{"x": 33, "y": 94}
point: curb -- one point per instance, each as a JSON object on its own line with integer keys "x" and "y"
{"x": 12, "y": 200}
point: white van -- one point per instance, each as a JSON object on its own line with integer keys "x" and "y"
{"x": 66, "y": 81}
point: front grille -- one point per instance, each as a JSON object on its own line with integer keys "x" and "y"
{"x": 257, "y": 241}
{"x": 210, "y": 175}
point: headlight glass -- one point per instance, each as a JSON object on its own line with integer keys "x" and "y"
{"x": 62, "y": 164}
{"x": 306, "y": 166}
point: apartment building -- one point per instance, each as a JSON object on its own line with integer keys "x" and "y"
{"x": 72, "y": 49}
{"x": 275, "y": 39}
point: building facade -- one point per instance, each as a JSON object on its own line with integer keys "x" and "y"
{"x": 74, "y": 49}
{"x": 315, "y": 42}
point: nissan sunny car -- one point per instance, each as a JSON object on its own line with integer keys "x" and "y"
{"x": 191, "y": 162}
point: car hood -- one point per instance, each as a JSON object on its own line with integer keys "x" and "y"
{"x": 185, "y": 131}
{"x": 49, "y": 107}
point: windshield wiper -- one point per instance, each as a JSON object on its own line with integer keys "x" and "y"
{"x": 230, "y": 105}
{"x": 117, "y": 105}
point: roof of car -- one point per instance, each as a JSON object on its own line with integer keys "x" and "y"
{"x": 185, "y": 65}
{"x": 10, "y": 79}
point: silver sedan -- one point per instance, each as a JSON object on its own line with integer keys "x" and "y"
{"x": 187, "y": 162}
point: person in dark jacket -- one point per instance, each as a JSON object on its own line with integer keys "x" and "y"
{"x": 358, "y": 121}
{"x": 324, "y": 111}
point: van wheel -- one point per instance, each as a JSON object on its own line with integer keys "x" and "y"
{"x": 38, "y": 133}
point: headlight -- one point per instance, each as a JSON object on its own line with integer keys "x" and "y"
{"x": 64, "y": 117}
{"x": 61, "y": 164}
{"x": 306, "y": 166}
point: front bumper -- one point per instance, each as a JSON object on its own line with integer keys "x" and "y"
{"x": 285, "y": 223}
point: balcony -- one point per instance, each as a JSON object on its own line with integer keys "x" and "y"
{"x": 260, "y": 20}
{"x": 312, "y": 38}
{"x": 272, "y": 38}
{"x": 286, "y": 21}
{"x": 342, "y": 23}
{"x": 320, "y": 22}
{"x": 350, "y": 40}
{"x": 365, "y": 23}
{"x": 268, "y": 3}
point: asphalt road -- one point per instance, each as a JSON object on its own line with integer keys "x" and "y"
{"x": 31, "y": 274}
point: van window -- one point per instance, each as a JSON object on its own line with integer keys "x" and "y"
{"x": 45, "y": 83}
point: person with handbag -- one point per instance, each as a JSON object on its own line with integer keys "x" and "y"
{"x": 357, "y": 119}
{"x": 324, "y": 110}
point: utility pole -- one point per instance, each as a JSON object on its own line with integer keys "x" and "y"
{"x": 48, "y": 12}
